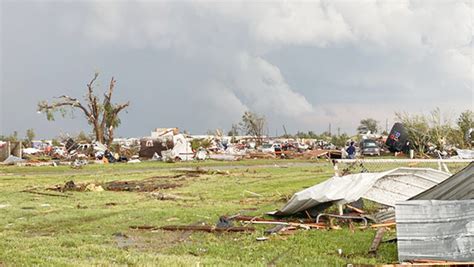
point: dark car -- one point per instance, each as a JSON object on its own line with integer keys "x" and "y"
{"x": 369, "y": 147}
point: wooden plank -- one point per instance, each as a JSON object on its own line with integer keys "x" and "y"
{"x": 206, "y": 228}
{"x": 389, "y": 224}
{"x": 377, "y": 240}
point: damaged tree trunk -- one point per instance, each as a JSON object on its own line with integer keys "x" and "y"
{"x": 101, "y": 115}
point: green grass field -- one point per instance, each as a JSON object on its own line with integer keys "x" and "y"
{"x": 92, "y": 228}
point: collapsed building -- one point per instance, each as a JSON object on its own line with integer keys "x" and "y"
{"x": 10, "y": 150}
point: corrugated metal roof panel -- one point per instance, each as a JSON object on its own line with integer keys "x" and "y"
{"x": 457, "y": 187}
{"x": 433, "y": 229}
{"x": 401, "y": 185}
{"x": 394, "y": 185}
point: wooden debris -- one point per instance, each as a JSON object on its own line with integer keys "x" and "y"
{"x": 355, "y": 209}
{"x": 377, "y": 240}
{"x": 199, "y": 228}
{"x": 389, "y": 224}
{"x": 43, "y": 193}
{"x": 143, "y": 227}
{"x": 441, "y": 262}
{"x": 306, "y": 226}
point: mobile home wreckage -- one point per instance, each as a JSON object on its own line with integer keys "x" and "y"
{"x": 166, "y": 144}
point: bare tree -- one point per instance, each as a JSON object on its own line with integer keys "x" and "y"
{"x": 440, "y": 128}
{"x": 102, "y": 115}
{"x": 30, "y": 135}
{"x": 254, "y": 125}
{"x": 234, "y": 130}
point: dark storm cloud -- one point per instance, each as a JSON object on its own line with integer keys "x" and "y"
{"x": 199, "y": 65}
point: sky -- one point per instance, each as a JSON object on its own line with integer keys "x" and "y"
{"x": 199, "y": 65}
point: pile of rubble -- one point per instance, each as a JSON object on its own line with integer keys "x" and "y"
{"x": 170, "y": 145}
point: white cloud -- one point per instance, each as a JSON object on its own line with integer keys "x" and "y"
{"x": 300, "y": 23}
{"x": 262, "y": 87}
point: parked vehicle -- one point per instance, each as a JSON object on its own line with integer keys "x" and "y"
{"x": 369, "y": 147}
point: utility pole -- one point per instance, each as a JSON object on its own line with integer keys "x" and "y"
{"x": 329, "y": 129}
{"x": 338, "y": 131}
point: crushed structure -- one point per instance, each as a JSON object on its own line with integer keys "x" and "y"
{"x": 384, "y": 187}
{"x": 8, "y": 149}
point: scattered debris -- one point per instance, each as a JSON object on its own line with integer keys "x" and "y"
{"x": 94, "y": 188}
{"x": 384, "y": 215}
{"x": 277, "y": 229}
{"x": 147, "y": 185}
{"x": 134, "y": 161}
{"x": 12, "y": 160}
{"x": 342, "y": 217}
{"x": 305, "y": 226}
{"x": 224, "y": 222}
{"x": 355, "y": 209}
{"x": 163, "y": 196}
{"x": 78, "y": 163}
{"x": 465, "y": 153}
{"x": 68, "y": 186}
{"x": 201, "y": 154}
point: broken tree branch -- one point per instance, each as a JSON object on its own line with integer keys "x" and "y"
{"x": 43, "y": 194}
